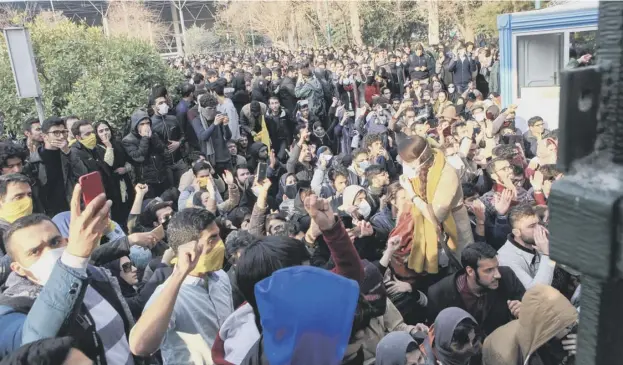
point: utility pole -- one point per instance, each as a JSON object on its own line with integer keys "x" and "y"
{"x": 178, "y": 36}
{"x": 586, "y": 205}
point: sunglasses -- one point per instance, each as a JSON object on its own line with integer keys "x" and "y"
{"x": 127, "y": 267}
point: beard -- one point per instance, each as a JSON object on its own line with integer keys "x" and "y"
{"x": 528, "y": 240}
{"x": 483, "y": 286}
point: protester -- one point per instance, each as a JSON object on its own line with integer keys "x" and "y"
{"x": 396, "y": 170}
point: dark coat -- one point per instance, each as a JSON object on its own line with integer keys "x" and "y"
{"x": 72, "y": 167}
{"x": 168, "y": 129}
{"x": 444, "y": 294}
{"x": 286, "y": 94}
{"x": 260, "y": 91}
{"x": 112, "y": 184}
{"x": 462, "y": 71}
{"x": 146, "y": 154}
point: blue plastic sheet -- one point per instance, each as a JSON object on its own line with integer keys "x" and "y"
{"x": 306, "y": 314}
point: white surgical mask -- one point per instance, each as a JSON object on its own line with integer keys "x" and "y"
{"x": 163, "y": 109}
{"x": 364, "y": 165}
{"x": 365, "y": 209}
{"x": 42, "y": 268}
{"x": 398, "y": 63}
{"x": 479, "y": 117}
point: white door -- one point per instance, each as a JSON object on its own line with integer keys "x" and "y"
{"x": 539, "y": 59}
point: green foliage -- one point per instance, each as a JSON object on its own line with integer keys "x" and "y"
{"x": 391, "y": 23}
{"x": 84, "y": 73}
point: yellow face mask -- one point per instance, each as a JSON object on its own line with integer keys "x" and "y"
{"x": 203, "y": 182}
{"x": 16, "y": 209}
{"x": 89, "y": 142}
{"x": 210, "y": 262}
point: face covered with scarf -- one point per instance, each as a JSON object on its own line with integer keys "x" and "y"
{"x": 86, "y": 135}
{"x": 456, "y": 338}
{"x": 17, "y": 202}
{"x": 209, "y": 246}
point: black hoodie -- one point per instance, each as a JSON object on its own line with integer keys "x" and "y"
{"x": 146, "y": 153}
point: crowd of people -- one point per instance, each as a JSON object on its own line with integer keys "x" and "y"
{"x": 318, "y": 206}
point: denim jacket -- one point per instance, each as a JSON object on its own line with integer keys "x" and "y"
{"x": 57, "y": 309}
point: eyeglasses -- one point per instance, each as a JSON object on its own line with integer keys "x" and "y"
{"x": 127, "y": 267}
{"x": 57, "y": 134}
{"x": 505, "y": 168}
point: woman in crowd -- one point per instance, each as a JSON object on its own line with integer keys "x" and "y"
{"x": 120, "y": 189}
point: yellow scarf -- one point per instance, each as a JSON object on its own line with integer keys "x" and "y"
{"x": 263, "y": 136}
{"x": 16, "y": 209}
{"x": 425, "y": 243}
{"x": 210, "y": 262}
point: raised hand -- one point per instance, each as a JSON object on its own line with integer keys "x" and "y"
{"x": 537, "y": 181}
{"x": 320, "y": 211}
{"x": 141, "y": 189}
{"x": 187, "y": 257}
{"x": 541, "y": 240}
{"x": 87, "y": 227}
{"x": 502, "y": 202}
{"x": 393, "y": 244}
{"x": 143, "y": 239}
{"x": 228, "y": 177}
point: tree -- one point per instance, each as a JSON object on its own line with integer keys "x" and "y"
{"x": 201, "y": 40}
{"x": 82, "y": 72}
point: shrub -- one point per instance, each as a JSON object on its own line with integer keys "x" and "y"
{"x": 84, "y": 73}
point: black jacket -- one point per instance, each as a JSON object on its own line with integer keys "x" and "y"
{"x": 260, "y": 91}
{"x": 421, "y": 61}
{"x": 444, "y": 294}
{"x": 286, "y": 94}
{"x": 280, "y": 127}
{"x": 146, "y": 154}
{"x": 72, "y": 167}
{"x": 168, "y": 129}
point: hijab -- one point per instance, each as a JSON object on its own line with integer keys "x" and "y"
{"x": 393, "y": 348}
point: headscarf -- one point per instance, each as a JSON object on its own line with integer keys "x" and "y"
{"x": 445, "y": 324}
{"x": 393, "y": 348}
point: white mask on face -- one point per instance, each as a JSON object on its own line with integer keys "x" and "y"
{"x": 398, "y": 64}
{"x": 479, "y": 117}
{"x": 42, "y": 268}
{"x": 365, "y": 209}
{"x": 163, "y": 109}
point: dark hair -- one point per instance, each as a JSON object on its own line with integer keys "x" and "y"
{"x": 208, "y": 100}
{"x": 200, "y": 166}
{"x": 532, "y": 121}
{"x": 211, "y": 73}
{"x": 520, "y": 212}
{"x": 392, "y": 191}
{"x": 290, "y": 69}
{"x": 48, "y": 351}
{"x": 411, "y": 148}
{"x": 492, "y": 163}
{"x": 237, "y": 242}
{"x": 27, "y": 125}
{"x": 237, "y": 216}
{"x": 476, "y": 252}
{"x": 458, "y": 125}
{"x": 97, "y": 124}
{"x": 5, "y": 180}
{"x": 371, "y": 138}
{"x": 358, "y": 152}
{"x": 22, "y": 223}
{"x": 505, "y": 151}
{"x": 469, "y": 189}
{"x": 11, "y": 150}
{"x": 218, "y": 88}
{"x": 262, "y": 258}
{"x": 337, "y": 171}
{"x": 197, "y": 78}
{"x": 241, "y": 167}
{"x": 187, "y": 90}
{"x": 51, "y": 122}
{"x": 75, "y": 128}
{"x": 188, "y": 225}
{"x": 157, "y": 92}
{"x": 373, "y": 170}
{"x": 460, "y": 337}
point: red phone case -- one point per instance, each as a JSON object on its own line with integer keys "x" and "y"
{"x": 91, "y": 186}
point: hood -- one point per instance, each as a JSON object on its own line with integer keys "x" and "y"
{"x": 445, "y": 324}
{"x": 349, "y": 195}
{"x": 392, "y": 349}
{"x": 544, "y": 313}
{"x": 255, "y": 148}
{"x": 137, "y": 117}
{"x": 306, "y": 315}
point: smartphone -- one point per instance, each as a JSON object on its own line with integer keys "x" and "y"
{"x": 91, "y": 186}
{"x": 261, "y": 171}
{"x": 350, "y": 113}
{"x": 158, "y": 232}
